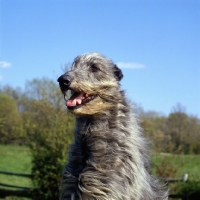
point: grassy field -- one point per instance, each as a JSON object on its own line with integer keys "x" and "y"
{"x": 18, "y": 159}
{"x": 189, "y": 164}
{"x": 15, "y": 159}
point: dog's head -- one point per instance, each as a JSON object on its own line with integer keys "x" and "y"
{"x": 94, "y": 84}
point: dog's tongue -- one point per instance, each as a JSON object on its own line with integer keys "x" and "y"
{"x": 75, "y": 99}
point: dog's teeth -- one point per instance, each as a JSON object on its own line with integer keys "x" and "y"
{"x": 78, "y": 101}
{"x": 74, "y": 102}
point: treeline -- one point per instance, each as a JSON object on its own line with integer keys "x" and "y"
{"x": 177, "y": 133}
{"x": 38, "y": 113}
{"x": 38, "y": 109}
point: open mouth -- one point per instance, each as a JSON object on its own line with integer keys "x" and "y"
{"x": 78, "y": 99}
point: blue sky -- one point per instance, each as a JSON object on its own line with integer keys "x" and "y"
{"x": 156, "y": 43}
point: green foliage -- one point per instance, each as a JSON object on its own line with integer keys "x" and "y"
{"x": 11, "y": 128}
{"x": 165, "y": 168}
{"x": 47, "y": 166}
{"x": 49, "y": 144}
{"x": 50, "y": 130}
{"x": 190, "y": 190}
{"x": 44, "y": 89}
{"x": 177, "y": 133}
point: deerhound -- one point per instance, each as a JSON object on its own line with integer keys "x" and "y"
{"x": 109, "y": 157}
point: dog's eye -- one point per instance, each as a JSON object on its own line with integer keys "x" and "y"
{"x": 94, "y": 68}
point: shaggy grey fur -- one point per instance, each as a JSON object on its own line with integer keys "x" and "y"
{"x": 109, "y": 157}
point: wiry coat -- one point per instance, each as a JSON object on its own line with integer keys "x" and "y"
{"x": 109, "y": 157}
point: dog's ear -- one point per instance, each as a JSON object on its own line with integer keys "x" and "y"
{"x": 118, "y": 73}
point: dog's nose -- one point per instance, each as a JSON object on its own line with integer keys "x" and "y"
{"x": 64, "y": 80}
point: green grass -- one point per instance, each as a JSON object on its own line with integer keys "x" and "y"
{"x": 189, "y": 164}
{"x": 15, "y": 159}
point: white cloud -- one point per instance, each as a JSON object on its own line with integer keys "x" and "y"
{"x": 130, "y": 65}
{"x": 4, "y": 64}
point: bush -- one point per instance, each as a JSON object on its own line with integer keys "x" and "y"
{"x": 165, "y": 168}
{"x": 47, "y": 167}
{"x": 50, "y": 132}
{"x": 190, "y": 190}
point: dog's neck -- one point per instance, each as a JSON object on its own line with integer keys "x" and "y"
{"x": 98, "y": 123}
{"x": 86, "y": 125}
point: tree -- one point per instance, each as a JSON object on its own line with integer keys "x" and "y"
{"x": 155, "y": 128}
{"x": 177, "y": 123}
{"x": 11, "y": 127}
{"x": 50, "y": 130}
{"x": 44, "y": 89}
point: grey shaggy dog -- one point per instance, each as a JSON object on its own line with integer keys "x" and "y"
{"x": 109, "y": 157}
